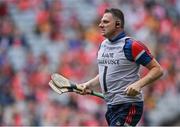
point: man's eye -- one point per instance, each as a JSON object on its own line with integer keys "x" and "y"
{"x": 105, "y": 21}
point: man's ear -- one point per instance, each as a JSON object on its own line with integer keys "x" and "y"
{"x": 118, "y": 24}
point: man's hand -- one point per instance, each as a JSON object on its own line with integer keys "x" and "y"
{"x": 84, "y": 88}
{"x": 133, "y": 90}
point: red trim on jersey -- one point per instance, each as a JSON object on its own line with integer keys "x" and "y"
{"x": 138, "y": 47}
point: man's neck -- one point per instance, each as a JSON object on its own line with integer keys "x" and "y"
{"x": 117, "y": 36}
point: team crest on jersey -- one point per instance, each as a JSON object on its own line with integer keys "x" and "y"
{"x": 118, "y": 123}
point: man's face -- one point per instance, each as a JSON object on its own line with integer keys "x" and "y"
{"x": 107, "y": 25}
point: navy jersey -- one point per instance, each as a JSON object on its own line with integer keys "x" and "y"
{"x": 118, "y": 62}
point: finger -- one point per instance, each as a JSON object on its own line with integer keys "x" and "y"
{"x": 80, "y": 87}
{"x": 133, "y": 93}
{"x": 128, "y": 90}
{"x": 79, "y": 92}
{"x": 88, "y": 91}
{"x": 130, "y": 94}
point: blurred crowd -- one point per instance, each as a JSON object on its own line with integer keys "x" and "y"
{"x": 40, "y": 37}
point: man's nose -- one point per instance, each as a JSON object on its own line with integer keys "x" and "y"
{"x": 100, "y": 25}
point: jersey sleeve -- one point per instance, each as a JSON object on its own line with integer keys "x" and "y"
{"x": 137, "y": 52}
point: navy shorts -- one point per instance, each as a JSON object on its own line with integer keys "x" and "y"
{"x": 124, "y": 114}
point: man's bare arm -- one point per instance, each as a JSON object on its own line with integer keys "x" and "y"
{"x": 93, "y": 82}
{"x": 155, "y": 72}
{"x": 89, "y": 84}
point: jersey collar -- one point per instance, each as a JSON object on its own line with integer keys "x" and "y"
{"x": 119, "y": 36}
